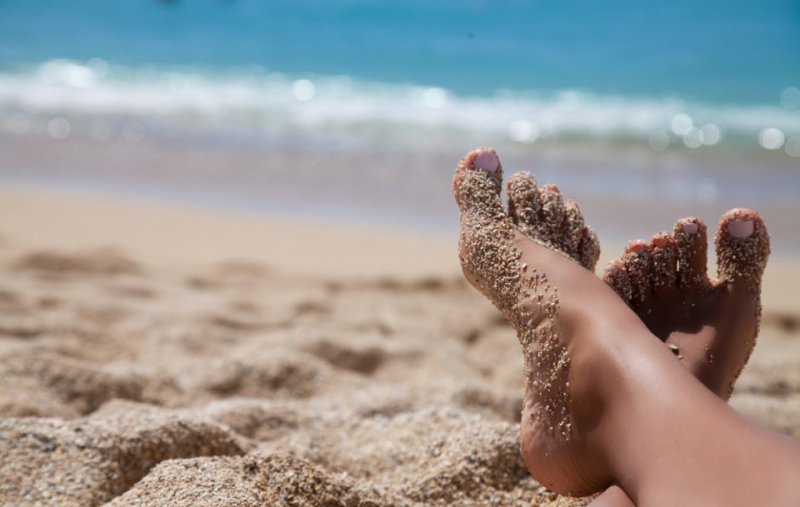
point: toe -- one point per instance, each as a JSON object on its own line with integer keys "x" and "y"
{"x": 588, "y": 249}
{"x": 573, "y": 227}
{"x": 663, "y": 262}
{"x": 523, "y": 201}
{"x": 617, "y": 278}
{"x": 488, "y": 261}
{"x": 552, "y": 214}
{"x": 476, "y": 184}
{"x": 637, "y": 261}
{"x": 742, "y": 247}
{"x": 690, "y": 238}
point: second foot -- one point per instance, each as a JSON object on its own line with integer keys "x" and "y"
{"x": 710, "y": 325}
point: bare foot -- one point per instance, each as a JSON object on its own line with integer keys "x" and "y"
{"x": 710, "y": 325}
{"x": 524, "y": 261}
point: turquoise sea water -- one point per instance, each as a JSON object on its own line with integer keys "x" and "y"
{"x": 716, "y": 51}
{"x": 574, "y": 67}
{"x": 622, "y": 101}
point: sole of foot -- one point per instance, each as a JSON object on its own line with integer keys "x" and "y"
{"x": 710, "y": 324}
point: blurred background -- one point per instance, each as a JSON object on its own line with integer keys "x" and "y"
{"x": 356, "y": 111}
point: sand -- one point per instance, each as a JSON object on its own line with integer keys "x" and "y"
{"x": 162, "y": 356}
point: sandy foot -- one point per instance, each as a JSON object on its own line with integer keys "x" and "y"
{"x": 710, "y": 325}
{"x": 524, "y": 261}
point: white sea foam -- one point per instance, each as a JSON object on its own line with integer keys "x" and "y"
{"x": 255, "y": 98}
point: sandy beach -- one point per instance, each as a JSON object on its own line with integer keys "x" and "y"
{"x": 228, "y": 240}
{"x": 156, "y": 355}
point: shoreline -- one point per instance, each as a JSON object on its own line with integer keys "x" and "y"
{"x": 625, "y": 192}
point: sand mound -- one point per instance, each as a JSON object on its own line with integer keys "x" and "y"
{"x": 48, "y": 385}
{"x": 354, "y": 358}
{"x": 433, "y": 456}
{"x": 249, "y": 481}
{"x": 256, "y": 419}
{"x": 90, "y": 460}
{"x": 282, "y": 374}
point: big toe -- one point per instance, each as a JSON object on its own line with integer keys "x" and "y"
{"x": 476, "y": 183}
{"x": 742, "y": 247}
{"x": 690, "y": 237}
{"x": 487, "y": 259}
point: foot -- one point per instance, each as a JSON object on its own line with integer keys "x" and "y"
{"x": 710, "y": 325}
{"x": 530, "y": 263}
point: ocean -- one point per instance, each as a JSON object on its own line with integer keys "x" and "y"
{"x": 691, "y": 106}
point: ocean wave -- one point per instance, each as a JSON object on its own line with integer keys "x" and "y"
{"x": 255, "y": 98}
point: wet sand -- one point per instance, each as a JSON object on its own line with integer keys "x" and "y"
{"x": 163, "y": 356}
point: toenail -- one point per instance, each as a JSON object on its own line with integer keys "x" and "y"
{"x": 486, "y": 161}
{"x": 690, "y": 228}
{"x": 740, "y": 229}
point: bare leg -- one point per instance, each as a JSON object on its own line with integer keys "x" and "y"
{"x": 604, "y": 400}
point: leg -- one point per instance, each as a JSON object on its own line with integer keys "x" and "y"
{"x": 603, "y": 397}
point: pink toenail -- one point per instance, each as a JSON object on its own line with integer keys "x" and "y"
{"x": 740, "y": 229}
{"x": 690, "y": 228}
{"x": 486, "y": 161}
